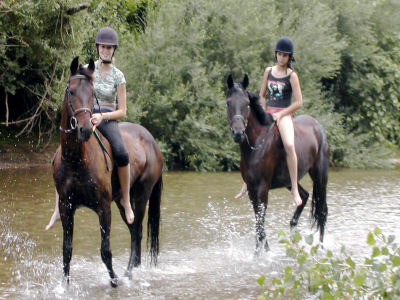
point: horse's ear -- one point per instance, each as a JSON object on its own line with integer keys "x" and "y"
{"x": 74, "y": 65}
{"x": 230, "y": 81}
{"x": 245, "y": 81}
{"x": 91, "y": 65}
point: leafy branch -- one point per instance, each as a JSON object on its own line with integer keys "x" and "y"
{"x": 319, "y": 273}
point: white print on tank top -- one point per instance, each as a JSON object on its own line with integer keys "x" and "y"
{"x": 275, "y": 89}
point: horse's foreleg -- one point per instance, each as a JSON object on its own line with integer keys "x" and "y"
{"x": 304, "y": 196}
{"x": 67, "y": 218}
{"x": 106, "y": 255}
{"x": 259, "y": 199}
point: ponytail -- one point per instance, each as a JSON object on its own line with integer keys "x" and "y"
{"x": 291, "y": 60}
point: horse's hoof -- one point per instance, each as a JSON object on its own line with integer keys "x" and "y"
{"x": 65, "y": 281}
{"x": 114, "y": 282}
{"x": 293, "y": 230}
{"x": 128, "y": 274}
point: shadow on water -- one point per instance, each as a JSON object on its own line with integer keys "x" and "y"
{"x": 207, "y": 237}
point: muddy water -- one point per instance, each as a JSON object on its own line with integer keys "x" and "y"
{"x": 207, "y": 237}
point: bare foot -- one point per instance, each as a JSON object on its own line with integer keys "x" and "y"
{"x": 242, "y": 192}
{"x": 54, "y": 218}
{"x": 130, "y": 217}
{"x": 297, "y": 200}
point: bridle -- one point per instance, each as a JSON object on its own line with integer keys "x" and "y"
{"x": 245, "y": 122}
{"x": 73, "y": 120}
{"x": 240, "y": 117}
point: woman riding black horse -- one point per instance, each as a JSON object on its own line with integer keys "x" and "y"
{"x": 281, "y": 81}
{"x": 263, "y": 157}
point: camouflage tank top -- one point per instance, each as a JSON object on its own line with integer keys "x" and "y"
{"x": 106, "y": 88}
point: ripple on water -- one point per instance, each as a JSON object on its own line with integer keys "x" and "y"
{"x": 207, "y": 238}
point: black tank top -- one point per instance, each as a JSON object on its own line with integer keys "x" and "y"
{"x": 280, "y": 91}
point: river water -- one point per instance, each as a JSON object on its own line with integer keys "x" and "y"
{"x": 207, "y": 236}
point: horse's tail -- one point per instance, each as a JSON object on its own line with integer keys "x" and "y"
{"x": 320, "y": 178}
{"x": 153, "y": 223}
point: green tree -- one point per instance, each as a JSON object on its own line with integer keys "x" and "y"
{"x": 38, "y": 40}
{"x": 33, "y": 42}
{"x": 177, "y": 70}
{"x": 365, "y": 90}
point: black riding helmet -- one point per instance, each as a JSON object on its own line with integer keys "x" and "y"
{"x": 285, "y": 45}
{"x": 107, "y": 36}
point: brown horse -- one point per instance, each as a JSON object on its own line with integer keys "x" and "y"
{"x": 85, "y": 176}
{"x": 263, "y": 159}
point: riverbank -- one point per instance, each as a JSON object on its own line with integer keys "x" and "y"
{"x": 25, "y": 154}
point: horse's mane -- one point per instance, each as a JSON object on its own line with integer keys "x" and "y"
{"x": 261, "y": 115}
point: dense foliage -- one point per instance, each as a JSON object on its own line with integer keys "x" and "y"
{"x": 177, "y": 54}
{"x": 178, "y": 71}
{"x": 324, "y": 275}
{"x": 38, "y": 40}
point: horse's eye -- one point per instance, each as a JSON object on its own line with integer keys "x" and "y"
{"x": 71, "y": 92}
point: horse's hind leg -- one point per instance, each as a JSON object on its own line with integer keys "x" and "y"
{"x": 139, "y": 196}
{"x": 319, "y": 205}
{"x": 106, "y": 255}
{"x": 304, "y": 196}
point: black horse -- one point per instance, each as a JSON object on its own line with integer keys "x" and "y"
{"x": 85, "y": 176}
{"x": 263, "y": 159}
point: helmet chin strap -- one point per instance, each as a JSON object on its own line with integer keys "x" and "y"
{"x": 105, "y": 61}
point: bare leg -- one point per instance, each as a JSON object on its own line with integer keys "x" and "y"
{"x": 242, "y": 191}
{"x": 286, "y": 130}
{"x": 124, "y": 176}
{"x": 55, "y": 217}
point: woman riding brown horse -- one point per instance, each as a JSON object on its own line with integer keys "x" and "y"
{"x": 85, "y": 175}
{"x": 263, "y": 159}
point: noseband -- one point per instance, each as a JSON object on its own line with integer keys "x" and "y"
{"x": 73, "y": 121}
{"x": 240, "y": 117}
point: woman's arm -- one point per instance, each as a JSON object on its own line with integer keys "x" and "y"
{"x": 120, "y": 113}
{"x": 263, "y": 90}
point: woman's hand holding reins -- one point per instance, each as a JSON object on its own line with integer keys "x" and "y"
{"x": 97, "y": 118}
{"x": 276, "y": 116}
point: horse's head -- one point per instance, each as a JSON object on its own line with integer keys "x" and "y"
{"x": 238, "y": 105}
{"x": 79, "y": 99}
